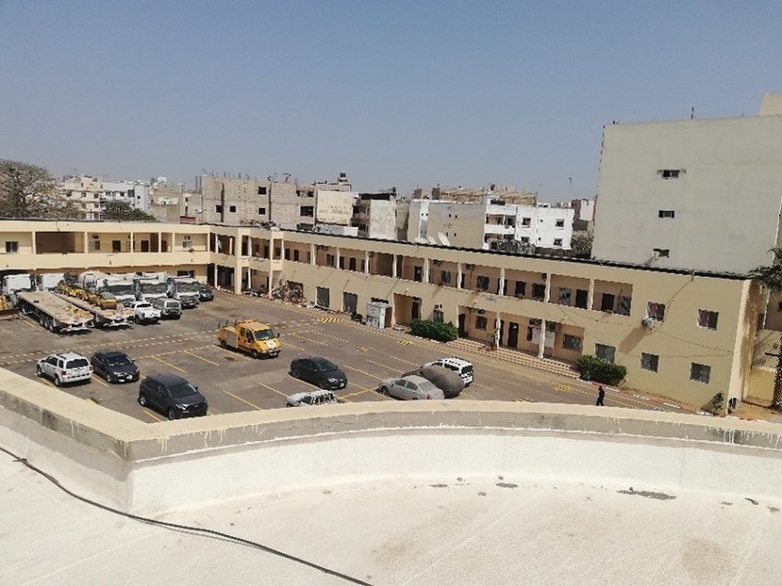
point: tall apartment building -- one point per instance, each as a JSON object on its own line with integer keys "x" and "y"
{"x": 692, "y": 194}
{"x": 490, "y": 225}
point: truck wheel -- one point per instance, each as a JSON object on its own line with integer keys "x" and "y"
{"x": 255, "y": 354}
{"x": 137, "y": 319}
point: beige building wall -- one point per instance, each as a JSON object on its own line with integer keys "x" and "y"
{"x": 334, "y": 207}
{"x": 692, "y": 194}
{"x": 699, "y": 343}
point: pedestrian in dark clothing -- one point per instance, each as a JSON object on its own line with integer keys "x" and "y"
{"x": 601, "y": 395}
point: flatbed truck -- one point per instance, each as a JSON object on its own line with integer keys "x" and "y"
{"x": 102, "y": 318}
{"x": 53, "y": 312}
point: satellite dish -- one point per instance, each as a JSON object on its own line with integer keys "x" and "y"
{"x": 431, "y": 240}
{"x": 443, "y": 239}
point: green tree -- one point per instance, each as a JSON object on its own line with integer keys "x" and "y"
{"x": 770, "y": 277}
{"x": 30, "y": 191}
{"x": 581, "y": 243}
{"x": 119, "y": 211}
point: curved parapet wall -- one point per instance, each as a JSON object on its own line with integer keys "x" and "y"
{"x": 132, "y": 465}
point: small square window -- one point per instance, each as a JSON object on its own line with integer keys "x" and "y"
{"x": 219, "y": 209}
{"x": 604, "y": 352}
{"x": 232, "y": 209}
{"x": 11, "y": 247}
{"x": 482, "y": 283}
{"x": 666, "y": 214}
{"x": 656, "y": 311}
{"x": 480, "y": 322}
{"x": 708, "y": 319}
{"x": 662, "y": 252}
{"x": 700, "y": 372}
{"x": 526, "y": 222}
{"x": 261, "y": 190}
{"x": 557, "y": 241}
{"x": 670, "y": 173}
{"x": 538, "y": 291}
{"x": 649, "y": 361}
{"x": 571, "y": 343}
{"x": 560, "y": 224}
{"x": 261, "y": 211}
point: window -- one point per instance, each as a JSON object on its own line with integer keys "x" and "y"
{"x": 670, "y": 173}
{"x": 329, "y": 260}
{"x": 525, "y": 239}
{"x": 606, "y": 353}
{"x": 261, "y": 190}
{"x": 560, "y": 224}
{"x": 582, "y": 296}
{"x": 219, "y": 209}
{"x": 116, "y": 246}
{"x": 624, "y": 305}
{"x": 661, "y": 252}
{"x": 564, "y": 295}
{"x": 521, "y": 289}
{"x": 480, "y": 322}
{"x": 187, "y": 243}
{"x": 557, "y": 241}
{"x": 232, "y": 209}
{"x": 708, "y": 319}
{"x": 295, "y": 255}
{"x": 352, "y": 263}
{"x": 666, "y": 214}
{"x": 261, "y": 211}
{"x": 11, "y": 247}
{"x": 656, "y": 311}
{"x": 482, "y": 283}
{"x": 700, "y": 372}
{"x": 445, "y": 277}
{"x": 649, "y": 361}
{"x": 438, "y": 316}
{"x": 526, "y": 222}
{"x": 307, "y": 211}
{"x": 538, "y": 291}
{"x": 571, "y": 343}
{"x": 418, "y": 274}
{"x": 607, "y": 302}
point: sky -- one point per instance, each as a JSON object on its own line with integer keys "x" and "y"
{"x": 398, "y": 94}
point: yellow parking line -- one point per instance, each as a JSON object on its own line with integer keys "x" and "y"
{"x": 201, "y": 358}
{"x": 100, "y": 381}
{"x": 381, "y": 364}
{"x": 273, "y": 389}
{"x": 152, "y": 415}
{"x": 167, "y": 363}
{"x": 364, "y": 372}
{"x": 238, "y": 398}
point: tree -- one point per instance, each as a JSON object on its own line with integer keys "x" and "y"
{"x": 581, "y": 243}
{"x": 119, "y": 211}
{"x": 30, "y": 191}
{"x": 770, "y": 277}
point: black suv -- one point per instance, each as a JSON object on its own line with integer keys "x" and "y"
{"x": 172, "y": 395}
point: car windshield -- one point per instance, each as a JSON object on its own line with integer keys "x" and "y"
{"x": 121, "y": 289}
{"x": 266, "y": 334}
{"x": 323, "y": 365}
{"x": 182, "y": 390}
{"x": 77, "y": 363}
{"x": 189, "y": 287}
{"x": 118, "y": 360}
{"x": 143, "y": 305}
{"x": 153, "y": 287}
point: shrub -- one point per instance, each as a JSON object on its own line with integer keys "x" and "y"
{"x": 434, "y": 330}
{"x": 602, "y": 371}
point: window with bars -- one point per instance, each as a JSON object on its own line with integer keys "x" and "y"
{"x": 708, "y": 319}
{"x": 656, "y": 311}
{"x": 700, "y": 372}
{"x": 649, "y": 361}
{"x": 604, "y": 352}
{"x": 571, "y": 343}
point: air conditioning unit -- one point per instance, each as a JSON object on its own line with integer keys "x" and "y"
{"x": 647, "y": 323}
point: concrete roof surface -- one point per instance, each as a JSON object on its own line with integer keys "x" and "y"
{"x": 427, "y": 531}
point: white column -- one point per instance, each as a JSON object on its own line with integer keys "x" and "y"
{"x": 84, "y": 241}
{"x": 542, "y": 341}
{"x": 132, "y": 242}
{"x": 502, "y": 281}
{"x": 337, "y": 257}
{"x": 366, "y": 262}
{"x": 214, "y": 275}
{"x": 459, "y": 275}
{"x": 497, "y": 321}
{"x": 312, "y": 253}
{"x": 231, "y": 240}
{"x": 35, "y": 247}
{"x": 591, "y": 294}
{"x": 159, "y": 242}
{"x": 426, "y": 271}
{"x": 249, "y": 278}
{"x": 547, "y": 295}
{"x": 393, "y": 267}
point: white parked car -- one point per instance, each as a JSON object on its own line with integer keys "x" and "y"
{"x": 410, "y": 388}
{"x": 320, "y": 397}
{"x": 64, "y": 368}
{"x": 460, "y": 366}
{"x": 144, "y": 313}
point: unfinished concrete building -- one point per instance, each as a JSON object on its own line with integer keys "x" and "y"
{"x": 507, "y": 193}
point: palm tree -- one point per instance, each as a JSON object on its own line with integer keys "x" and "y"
{"x": 770, "y": 277}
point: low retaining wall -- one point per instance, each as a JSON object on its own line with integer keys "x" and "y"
{"x": 146, "y": 468}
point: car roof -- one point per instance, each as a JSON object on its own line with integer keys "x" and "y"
{"x": 167, "y": 378}
{"x": 108, "y": 353}
{"x": 67, "y": 355}
{"x": 414, "y": 378}
{"x": 454, "y": 360}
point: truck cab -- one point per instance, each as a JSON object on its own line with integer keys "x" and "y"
{"x": 149, "y": 289}
{"x": 185, "y": 290}
{"x": 252, "y": 337}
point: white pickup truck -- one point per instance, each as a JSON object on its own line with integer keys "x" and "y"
{"x": 144, "y": 313}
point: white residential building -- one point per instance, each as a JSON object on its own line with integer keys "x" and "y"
{"x": 374, "y": 214}
{"x": 692, "y": 194}
{"x": 490, "y": 225}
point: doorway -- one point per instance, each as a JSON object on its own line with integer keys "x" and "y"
{"x": 513, "y": 335}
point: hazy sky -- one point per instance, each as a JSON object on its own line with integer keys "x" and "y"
{"x": 394, "y": 93}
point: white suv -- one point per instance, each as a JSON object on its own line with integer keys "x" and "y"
{"x": 460, "y": 366}
{"x": 64, "y": 367}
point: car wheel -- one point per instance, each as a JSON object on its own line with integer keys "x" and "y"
{"x": 171, "y": 414}
{"x": 255, "y": 354}
{"x": 384, "y": 391}
{"x": 137, "y": 319}
{"x": 142, "y": 399}
{"x": 295, "y": 373}
{"x": 223, "y": 344}
{"x": 38, "y": 371}
{"x": 109, "y": 378}
{"x": 57, "y": 381}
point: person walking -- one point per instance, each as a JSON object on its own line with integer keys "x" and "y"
{"x": 601, "y": 395}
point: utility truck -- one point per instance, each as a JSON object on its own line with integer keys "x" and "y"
{"x": 149, "y": 286}
{"x": 99, "y": 282}
{"x": 250, "y": 336}
{"x": 186, "y": 290}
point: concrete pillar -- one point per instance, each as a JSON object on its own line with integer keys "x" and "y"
{"x": 171, "y": 247}
{"x": 366, "y": 262}
{"x": 249, "y": 278}
{"x": 458, "y": 275}
{"x": 237, "y": 276}
{"x": 497, "y": 320}
{"x": 214, "y": 275}
{"x": 231, "y": 241}
{"x": 502, "y": 281}
{"x": 84, "y": 241}
{"x": 337, "y": 257}
{"x": 312, "y": 253}
{"x": 132, "y": 242}
{"x": 542, "y": 341}
{"x": 426, "y": 271}
{"x": 393, "y": 267}
{"x": 591, "y": 294}
{"x": 34, "y": 246}
{"x": 159, "y": 242}
{"x": 547, "y": 295}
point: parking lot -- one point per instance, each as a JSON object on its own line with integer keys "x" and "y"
{"x": 233, "y": 381}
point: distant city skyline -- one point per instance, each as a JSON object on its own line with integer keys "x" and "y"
{"x": 403, "y": 94}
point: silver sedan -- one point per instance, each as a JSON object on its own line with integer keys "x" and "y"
{"x": 410, "y": 388}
